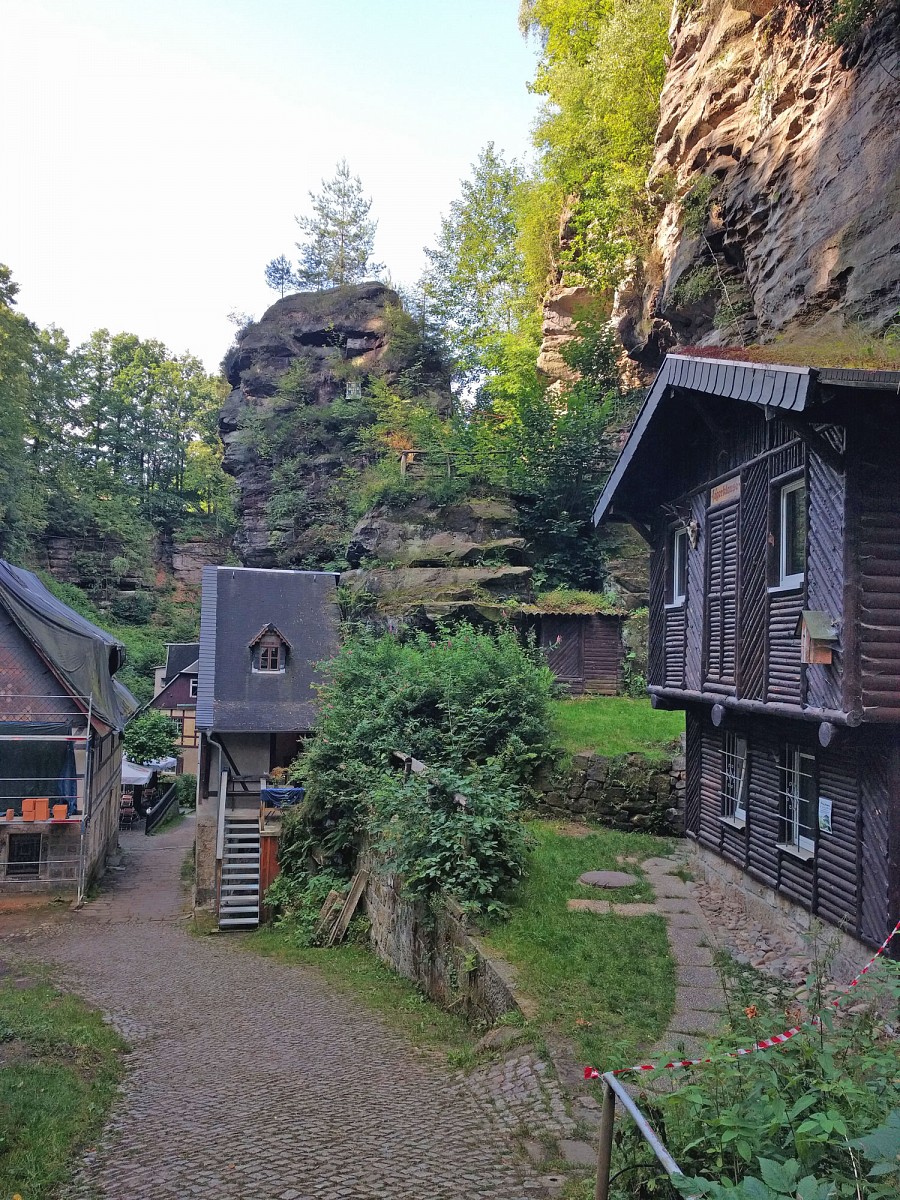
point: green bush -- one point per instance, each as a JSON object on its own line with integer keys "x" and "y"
{"x": 133, "y": 608}
{"x": 449, "y": 833}
{"x": 186, "y": 785}
{"x": 298, "y": 899}
{"x": 150, "y": 736}
{"x": 456, "y": 700}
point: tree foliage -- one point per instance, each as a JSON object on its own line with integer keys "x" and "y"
{"x": 150, "y": 737}
{"x": 339, "y": 237}
{"x": 474, "y": 286}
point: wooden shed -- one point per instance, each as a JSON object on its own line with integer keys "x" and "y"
{"x": 584, "y": 650}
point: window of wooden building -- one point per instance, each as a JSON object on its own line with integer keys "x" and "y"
{"x": 678, "y": 548}
{"x": 734, "y": 778}
{"x": 194, "y": 689}
{"x": 798, "y": 798}
{"x": 792, "y": 534}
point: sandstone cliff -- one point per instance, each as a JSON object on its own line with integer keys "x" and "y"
{"x": 779, "y": 156}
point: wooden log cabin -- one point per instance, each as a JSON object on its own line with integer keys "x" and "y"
{"x": 584, "y": 648}
{"x": 770, "y": 497}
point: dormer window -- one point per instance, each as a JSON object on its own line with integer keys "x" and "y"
{"x": 269, "y": 650}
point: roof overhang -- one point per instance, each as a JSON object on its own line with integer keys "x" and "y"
{"x": 783, "y": 388}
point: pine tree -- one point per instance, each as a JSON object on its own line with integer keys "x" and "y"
{"x": 280, "y": 275}
{"x": 339, "y": 236}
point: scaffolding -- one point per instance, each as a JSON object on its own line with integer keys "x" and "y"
{"x": 36, "y": 710}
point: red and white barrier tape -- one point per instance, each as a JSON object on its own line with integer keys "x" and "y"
{"x": 777, "y": 1039}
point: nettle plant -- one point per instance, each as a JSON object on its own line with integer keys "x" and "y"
{"x": 817, "y": 1119}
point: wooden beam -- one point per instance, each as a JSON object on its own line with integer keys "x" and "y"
{"x": 816, "y": 443}
{"x": 638, "y": 527}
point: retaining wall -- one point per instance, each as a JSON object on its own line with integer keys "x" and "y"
{"x": 435, "y": 949}
{"x": 626, "y": 791}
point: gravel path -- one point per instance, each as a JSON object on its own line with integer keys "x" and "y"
{"x": 249, "y": 1078}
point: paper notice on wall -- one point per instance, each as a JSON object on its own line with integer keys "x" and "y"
{"x": 824, "y": 814}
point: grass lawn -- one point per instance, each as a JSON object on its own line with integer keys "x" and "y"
{"x": 605, "y": 982}
{"x": 60, "y": 1065}
{"x": 356, "y": 970}
{"x": 615, "y": 725}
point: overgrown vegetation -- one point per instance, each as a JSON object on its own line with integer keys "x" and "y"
{"x": 150, "y": 737}
{"x": 817, "y": 1119}
{"x": 61, "y": 1067}
{"x": 615, "y": 725}
{"x": 474, "y": 707}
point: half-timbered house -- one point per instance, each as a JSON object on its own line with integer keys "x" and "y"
{"x": 770, "y": 496}
{"x": 175, "y": 695}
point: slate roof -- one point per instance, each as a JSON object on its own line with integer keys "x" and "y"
{"x": 83, "y": 656}
{"x": 235, "y": 601}
{"x": 180, "y": 658}
{"x": 770, "y": 386}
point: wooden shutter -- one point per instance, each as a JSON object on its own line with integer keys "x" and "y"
{"x": 721, "y": 599}
{"x": 754, "y": 527}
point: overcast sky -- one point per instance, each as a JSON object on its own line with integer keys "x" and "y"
{"x": 154, "y": 152}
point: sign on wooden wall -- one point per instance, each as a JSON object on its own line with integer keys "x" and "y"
{"x": 724, "y": 493}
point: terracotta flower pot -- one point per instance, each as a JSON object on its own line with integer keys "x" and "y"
{"x": 10, "y": 814}
{"x": 60, "y": 812}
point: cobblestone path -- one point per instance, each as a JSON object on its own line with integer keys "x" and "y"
{"x": 250, "y": 1079}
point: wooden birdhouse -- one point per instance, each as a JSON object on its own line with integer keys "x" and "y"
{"x": 818, "y": 633}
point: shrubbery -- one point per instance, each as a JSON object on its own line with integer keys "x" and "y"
{"x": 474, "y": 707}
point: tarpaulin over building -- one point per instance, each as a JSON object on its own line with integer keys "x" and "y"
{"x": 82, "y": 655}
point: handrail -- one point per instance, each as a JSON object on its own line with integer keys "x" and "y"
{"x": 612, "y": 1091}
{"x": 156, "y": 815}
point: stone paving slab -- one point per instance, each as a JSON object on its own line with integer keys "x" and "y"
{"x": 699, "y": 999}
{"x": 605, "y": 907}
{"x": 252, "y": 1079}
{"x": 699, "y": 977}
{"x": 694, "y": 1021}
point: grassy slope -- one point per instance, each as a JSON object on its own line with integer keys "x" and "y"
{"x": 606, "y": 982}
{"x": 61, "y": 1065}
{"x": 615, "y": 725}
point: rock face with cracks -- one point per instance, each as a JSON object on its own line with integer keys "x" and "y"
{"x": 782, "y": 154}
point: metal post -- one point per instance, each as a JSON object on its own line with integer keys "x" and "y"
{"x": 605, "y": 1142}
{"x": 85, "y": 803}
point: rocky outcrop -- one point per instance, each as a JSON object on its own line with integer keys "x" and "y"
{"x": 557, "y": 327}
{"x": 423, "y": 534}
{"x": 428, "y": 594}
{"x": 189, "y": 559}
{"x": 778, "y": 156}
{"x": 326, "y": 339}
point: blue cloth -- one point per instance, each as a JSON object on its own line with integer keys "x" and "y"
{"x": 279, "y": 797}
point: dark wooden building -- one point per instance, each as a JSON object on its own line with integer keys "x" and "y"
{"x": 771, "y": 499}
{"x": 584, "y": 649}
{"x": 175, "y": 695}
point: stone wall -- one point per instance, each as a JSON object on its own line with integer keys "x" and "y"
{"x": 626, "y": 791}
{"x": 436, "y": 950}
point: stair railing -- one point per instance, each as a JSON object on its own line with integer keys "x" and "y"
{"x": 613, "y": 1091}
{"x": 156, "y": 815}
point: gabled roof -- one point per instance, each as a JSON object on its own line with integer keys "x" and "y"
{"x": 790, "y": 390}
{"x": 267, "y": 629}
{"x": 83, "y": 656}
{"x": 179, "y": 658}
{"x": 302, "y": 607}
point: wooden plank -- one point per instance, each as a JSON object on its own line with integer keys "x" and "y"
{"x": 357, "y": 887}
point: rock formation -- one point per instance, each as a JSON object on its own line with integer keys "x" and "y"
{"x": 779, "y": 156}
{"x": 325, "y": 331}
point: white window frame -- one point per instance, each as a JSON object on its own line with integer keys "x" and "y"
{"x": 735, "y": 778}
{"x": 785, "y": 580}
{"x": 193, "y": 687}
{"x": 795, "y": 758}
{"x": 353, "y": 389}
{"x": 679, "y": 563}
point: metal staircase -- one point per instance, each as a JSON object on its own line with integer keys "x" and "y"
{"x": 239, "y": 889}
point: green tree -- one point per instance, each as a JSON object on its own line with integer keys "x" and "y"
{"x": 17, "y": 339}
{"x": 280, "y": 275}
{"x": 150, "y": 737}
{"x": 474, "y": 286}
{"x": 339, "y": 236}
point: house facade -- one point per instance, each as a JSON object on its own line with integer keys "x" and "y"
{"x": 262, "y": 634}
{"x": 62, "y": 716}
{"x": 770, "y": 497}
{"x": 175, "y": 695}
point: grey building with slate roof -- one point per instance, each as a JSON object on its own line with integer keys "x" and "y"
{"x": 262, "y": 634}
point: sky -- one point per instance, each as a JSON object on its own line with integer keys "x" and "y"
{"x": 155, "y": 152}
